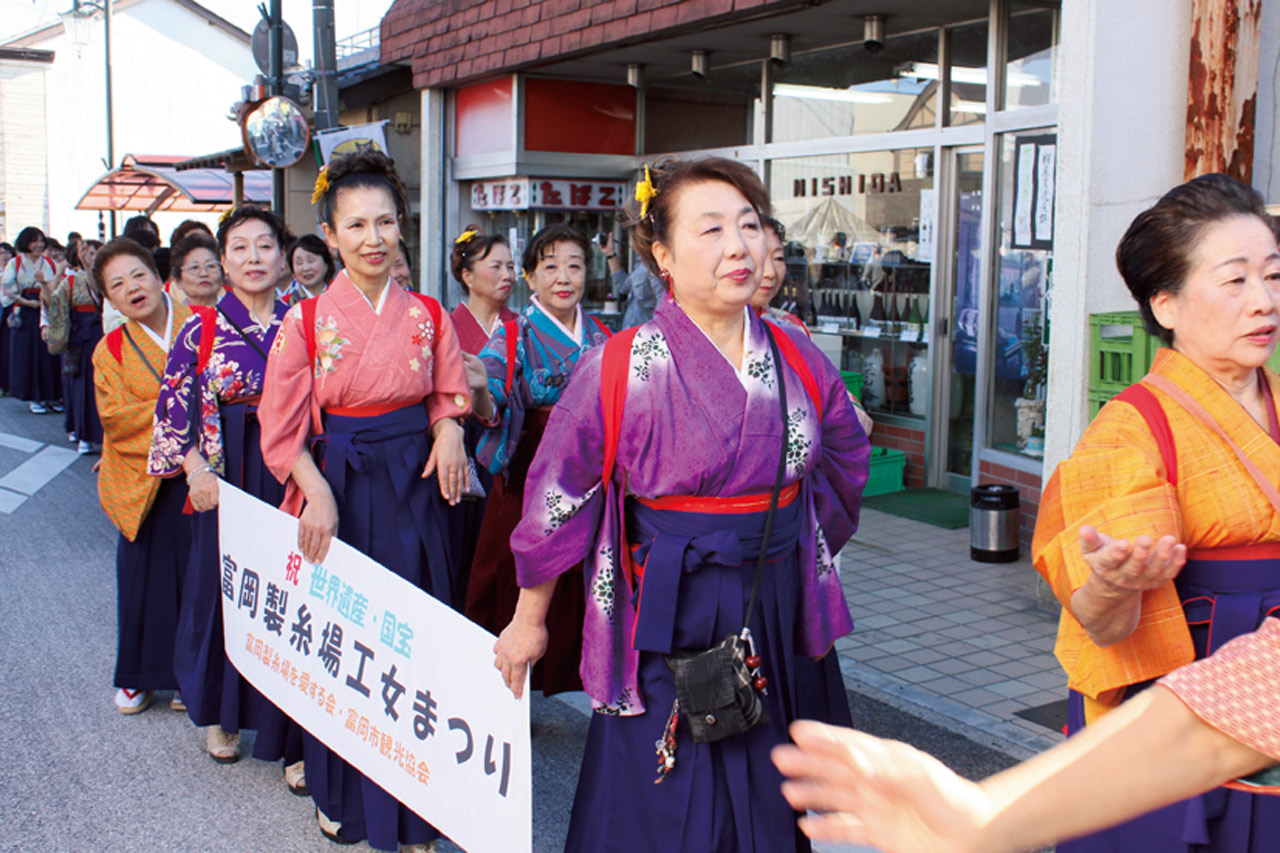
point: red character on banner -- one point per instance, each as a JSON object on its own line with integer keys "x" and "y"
{"x": 580, "y": 195}
{"x": 608, "y": 197}
{"x": 550, "y": 195}
{"x": 292, "y": 566}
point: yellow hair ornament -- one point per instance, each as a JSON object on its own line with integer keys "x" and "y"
{"x": 226, "y": 214}
{"x": 646, "y": 192}
{"x": 322, "y": 185}
{"x": 466, "y": 237}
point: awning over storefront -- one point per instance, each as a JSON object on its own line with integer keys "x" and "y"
{"x": 152, "y": 183}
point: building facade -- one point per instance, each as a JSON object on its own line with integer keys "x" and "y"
{"x": 953, "y": 175}
{"x": 176, "y": 70}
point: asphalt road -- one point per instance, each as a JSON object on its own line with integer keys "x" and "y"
{"x": 75, "y": 774}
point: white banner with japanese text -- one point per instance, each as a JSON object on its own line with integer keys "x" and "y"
{"x": 395, "y": 682}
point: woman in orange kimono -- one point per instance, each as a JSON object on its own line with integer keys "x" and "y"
{"x": 155, "y": 536}
{"x": 1160, "y": 534}
{"x": 369, "y": 378}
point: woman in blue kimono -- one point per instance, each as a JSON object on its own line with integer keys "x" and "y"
{"x": 206, "y": 426}
{"x": 528, "y": 363}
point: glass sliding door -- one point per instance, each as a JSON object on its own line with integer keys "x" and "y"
{"x": 966, "y": 203}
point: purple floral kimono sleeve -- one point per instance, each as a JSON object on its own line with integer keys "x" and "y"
{"x": 183, "y": 398}
{"x": 562, "y": 500}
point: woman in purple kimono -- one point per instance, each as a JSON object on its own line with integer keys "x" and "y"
{"x": 677, "y": 520}
{"x": 528, "y": 362}
{"x": 207, "y": 426}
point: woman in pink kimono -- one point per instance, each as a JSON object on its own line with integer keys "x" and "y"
{"x": 666, "y": 499}
{"x": 361, "y": 380}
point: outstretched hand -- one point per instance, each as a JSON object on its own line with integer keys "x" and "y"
{"x": 878, "y": 792}
{"x": 1124, "y": 567}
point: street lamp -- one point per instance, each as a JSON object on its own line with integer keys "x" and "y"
{"x": 78, "y": 23}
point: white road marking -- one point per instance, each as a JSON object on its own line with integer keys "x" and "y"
{"x": 29, "y": 477}
{"x": 17, "y": 442}
{"x": 9, "y": 501}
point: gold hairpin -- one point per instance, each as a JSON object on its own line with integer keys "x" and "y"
{"x": 466, "y": 236}
{"x": 322, "y": 185}
{"x": 226, "y": 214}
{"x": 646, "y": 192}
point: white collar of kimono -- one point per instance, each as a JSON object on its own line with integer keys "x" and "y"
{"x": 576, "y": 335}
{"x": 163, "y": 343}
{"x": 497, "y": 320}
{"x": 382, "y": 297}
{"x": 746, "y": 340}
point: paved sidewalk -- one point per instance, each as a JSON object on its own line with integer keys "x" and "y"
{"x": 935, "y": 631}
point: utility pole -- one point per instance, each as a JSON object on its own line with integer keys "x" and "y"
{"x": 111, "y": 137}
{"x": 277, "y": 88}
{"x": 326, "y": 70}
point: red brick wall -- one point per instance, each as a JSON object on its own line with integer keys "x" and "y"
{"x": 456, "y": 41}
{"x": 911, "y": 442}
{"x": 1028, "y": 495}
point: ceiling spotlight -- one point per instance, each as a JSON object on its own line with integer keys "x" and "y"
{"x": 780, "y": 49}
{"x": 635, "y": 75}
{"x": 700, "y": 62}
{"x": 873, "y": 33}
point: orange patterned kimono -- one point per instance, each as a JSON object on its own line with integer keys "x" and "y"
{"x": 126, "y": 395}
{"x": 1115, "y": 480}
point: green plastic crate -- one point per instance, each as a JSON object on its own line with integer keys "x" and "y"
{"x": 1120, "y": 350}
{"x": 887, "y": 467}
{"x": 853, "y": 381}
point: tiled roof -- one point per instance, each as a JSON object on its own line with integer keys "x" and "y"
{"x": 450, "y": 42}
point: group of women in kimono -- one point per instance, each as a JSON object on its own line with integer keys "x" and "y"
{"x": 252, "y": 392}
{"x": 50, "y": 323}
{"x": 643, "y": 466}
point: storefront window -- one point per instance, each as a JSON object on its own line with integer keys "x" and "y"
{"x": 860, "y": 242}
{"x": 519, "y": 224}
{"x": 968, "y": 52}
{"x": 1031, "y": 78}
{"x": 849, "y": 90}
{"x": 1020, "y": 335}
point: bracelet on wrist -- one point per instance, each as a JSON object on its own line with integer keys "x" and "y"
{"x": 206, "y": 469}
{"x": 610, "y": 257}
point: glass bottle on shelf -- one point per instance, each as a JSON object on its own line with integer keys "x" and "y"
{"x": 877, "y": 310}
{"x": 892, "y": 317}
{"x": 914, "y": 321}
{"x": 852, "y": 314}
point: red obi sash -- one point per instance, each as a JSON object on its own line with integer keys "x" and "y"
{"x": 370, "y": 411}
{"x": 84, "y": 309}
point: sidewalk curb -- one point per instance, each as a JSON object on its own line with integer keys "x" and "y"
{"x": 976, "y": 726}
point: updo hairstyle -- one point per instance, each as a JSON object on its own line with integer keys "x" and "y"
{"x": 469, "y": 252}
{"x": 371, "y": 169}
{"x": 1155, "y": 253}
{"x": 670, "y": 176}
{"x": 544, "y": 242}
{"x": 243, "y": 214}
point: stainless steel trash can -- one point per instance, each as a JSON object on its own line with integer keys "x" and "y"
{"x": 993, "y": 523}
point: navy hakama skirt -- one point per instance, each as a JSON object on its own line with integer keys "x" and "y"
{"x": 722, "y": 797}
{"x": 77, "y": 380}
{"x": 34, "y": 374}
{"x": 1223, "y": 598}
{"x": 149, "y": 576}
{"x": 214, "y": 690}
{"x": 4, "y": 348}
{"x": 387, "y": 511}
